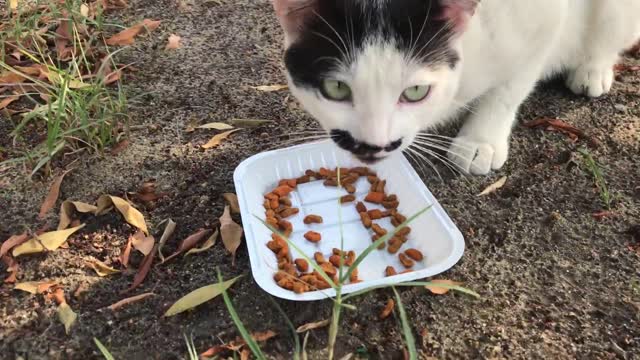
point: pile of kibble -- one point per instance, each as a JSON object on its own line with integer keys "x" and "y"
{"x": 294, "y": 274}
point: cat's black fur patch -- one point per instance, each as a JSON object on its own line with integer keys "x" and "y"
{"x": 320, "y": 44}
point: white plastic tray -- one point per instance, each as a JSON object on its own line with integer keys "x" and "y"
{"x": 433, "y": 233}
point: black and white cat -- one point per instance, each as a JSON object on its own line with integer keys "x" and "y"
{"x": 375, "y": 73}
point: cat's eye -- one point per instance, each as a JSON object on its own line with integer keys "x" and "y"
{"x": 335, "y": 90}
{"x": 415, "y": 94}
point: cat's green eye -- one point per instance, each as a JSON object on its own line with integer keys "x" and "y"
{"x": 415, "y": 93}
{"x": 335, "y": 90}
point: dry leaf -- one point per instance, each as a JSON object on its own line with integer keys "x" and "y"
{"x": 9, "y": 77}
{"x": 249, "y": 123}
{"x": 130, "y": 213}
{"x": 215, "y": 126}
{"x": 8, "y": 100}
{"x": 441, "y": 290}
{"x": 168, "y": 231}
{"x": 216, "y": 140}
{"x": 244, "y": 354}
{"x": 270, "y": 88}
{"x": 101, "y": 268}
{"x": 35, "y": 287}
{"x": 147, "y": 193}
{"x": 119, "y": 147}
{"x": 232, "y": 200}
{"x": 13, "y": 4}
{"x": 52, "y": 196}
{"x": 188, "y": 243}
{"x": 12, "y": 242}
{"x": 12, "y": 267}
{"x": 84, "y": 10}
{"x": 231, "y": 233}
{"x": 199, "y": 296}
{"x": 49, "y": 240}
{"x": 206, "y": 245}
{"x": 173, "y": 42}
{"x": 124, "y": 256}
{"x": 69, "y": 207}
{"x": 142, "y": 243}
{"x": 144, "y": 269}
{"x": 313, "y": 325}
{"x": 494, "y": 187}
{"x": 126, "y": 37}
{"x": 129, "y": 300}
{"x": 67, "y": 316}
{"x": 560, "y": 126}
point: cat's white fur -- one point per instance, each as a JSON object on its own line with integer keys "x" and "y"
{"x": 507, "y": 47}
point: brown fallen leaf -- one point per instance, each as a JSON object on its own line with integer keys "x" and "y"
{"x": 494, "y": 187}
{"x": 126, "y": 37}
{"x": 8, "y": 100}
{"x": 130, "y": 213}
{"x": 206, "y": 245}
{"x": 173, "y": 42}
{"x": 270, "y": 88}
{"x": 52, "y": 196}
{"x": 50, "y": 240}
{"x": 231, "y": 233}
{"x": 142, "y": 242}
{"x": 232, "y": 200}
{"x": 603, "y": 214}
{"x": 124, "y": 256}
{"x": 216, "y": 140}
{"x": 9, "y": 77}
{"x": 166, "y": 234}
{"x": 147, "y": 193}
{"x": 12, "y": 268}
{"x": 188, "y": 243}
{"x": 121, "y": 146}
{"x": 129, "y": 300}
{"x": 441, "y": 290}
{"x": 560, "y": 126}
{"x": 11, "y": 242}
{"x": 143, "y": 271}
{"x": 199, "y": 296}
{"x": 313, "y": 325}
{"x": 215, "y": 126}
{"x": 65, "y": 314}
{"x": 68, "y": 208}
{"x": 101, "y": 268}
{"x": 35, "y": 287}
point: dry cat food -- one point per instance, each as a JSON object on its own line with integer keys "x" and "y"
{"x": 295, "y": 274}
{"x": 388, "y": 309}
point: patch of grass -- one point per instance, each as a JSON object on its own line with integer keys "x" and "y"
{"x": 53, "y": 58}
{"x": 595, "y": 169}
{"x": 103, "y": 349}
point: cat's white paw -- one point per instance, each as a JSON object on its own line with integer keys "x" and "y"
{"x": 476, "y": 156}
{"x": 593, "y": 81}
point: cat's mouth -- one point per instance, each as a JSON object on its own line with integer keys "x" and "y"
{"x": 364, "y": 151}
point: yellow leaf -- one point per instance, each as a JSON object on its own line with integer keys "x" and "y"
{"x": 199, "y": 296}
{"x": 216, "y": 140}
{"x": 173, "y": 42}
{"x": 84, "y": 10}
{"x": 52, "y": 196}
{"x": 56, "y": 78}
{"x": 232, "y": 200}
{"x": 131, "y": 214}
{"x": 101, "y": 268}
{"x": 231, "y": 233}
{"x": 438, "y": 290}
{"x": 68, "y": 207}
{"x": 270, "y": 88}
{"x": 143, "y": 243}
{"x": 67, "y": 316}
{"x": 494, "y": 187}
{"x": 215, "y": 126}
{"x": 35, "y": 287}
{"x": 206, "y": 246}
{"x": 49, "y": 240}
{"x": 168, "y": 231}
{"x": 126, "y": 36}
{"x": 13, "y": 4}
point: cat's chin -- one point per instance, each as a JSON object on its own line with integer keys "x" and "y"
{"x": 370, "y": 160}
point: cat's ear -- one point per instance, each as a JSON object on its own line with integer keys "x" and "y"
{"x": 292, "y": 15}
{"x": 458, "y": 12}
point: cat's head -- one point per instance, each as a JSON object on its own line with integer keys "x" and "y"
{"x": 374, "y": 72}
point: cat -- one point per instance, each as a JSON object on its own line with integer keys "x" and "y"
{"x": 376, "y": 73}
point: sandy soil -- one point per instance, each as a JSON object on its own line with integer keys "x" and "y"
{"x": 555, "y": 282}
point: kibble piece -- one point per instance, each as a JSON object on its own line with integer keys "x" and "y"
{"x": 330, "y": 182}
{"x": 415, "y": 254}
{"x": 270, "y": 213}
{"x": 401, "y": 218}
{"x": 404, "y": 259}
{"x": 338, "y": 252}
{"x": 403, "y": 232}
{"x": 379, "y": 230}
{"x": 328, "y": 269}
{"x": 325, "y": 173}
{"x": 388, "y": 309}
{"x": 387, "y": 213}
{"x": 313, "y": 219}
{"x": 283, "y": 190}
{"x": 390, "y": 271}
{"x": 266, "y": 204}
{"x": 360, "y": 170}
{"x": 350, "y": 188}
{"x": 313, "y": 236}
{"x": 285, "y": 201}
{"x": 406, "y": 271}
{"x": 303, "y": 179}
{"x": 272, "y": 221}
{"x": 395, "y": 222}
{"x": 283, "y": 253}
{"x": 272, "y": 196}
{"x": 380, "y": 186}
{"x": 319, "y": 258}
{"x": 285, "y": 225}
{"x": 289, "y": 212}
{"x": 286, "y": 284}
{"x": 360, "y": 207}
{"x": 274, "y": 204}
{"x": 351, "y": 257}
{"x": 372, "y": 179}
{"x": 392, "y": 197}
{"x": 366, "y": 220}
{"x": 375, "y": 238}
{"x": 279, "y": 276}
{"x": 394, "y": 246}
{"x": 298, "y": 287}
{"x": 302, "y": 265}
{"x": 273, "y": 246}
{"x": 375, "y": 214}
{"x": 347, "y": 198}
{"x": 390, "y": 204}
{"x": 354, "y": 276}
{"x": 374, "y": 197}
{"x": 335, "y": 260}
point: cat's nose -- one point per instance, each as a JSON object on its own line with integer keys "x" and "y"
{"x": 360, "y": 148}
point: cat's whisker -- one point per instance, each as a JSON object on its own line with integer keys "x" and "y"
{"x": 350, "y": 57}
{"x": 425, "y": 159}
{"x": 454, "y": 167}
{"x": 342, "y": 52}
{"x": 442, "y": 148}
{"x": 421, "y": 167}
{"x": 443, "y": 28}
{"x": 446, "y": 145}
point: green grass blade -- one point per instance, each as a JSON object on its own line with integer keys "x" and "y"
{"x": 383, "y": 239}
{"x": 294, "y": 334}
{"x": 251, "y": 343}
{"x": 417, "y": 283}
{"x": 103, "y": 349}
{"x": 406, "y": 327}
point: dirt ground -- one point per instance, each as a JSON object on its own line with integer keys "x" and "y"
{"x": 555, "y": 282}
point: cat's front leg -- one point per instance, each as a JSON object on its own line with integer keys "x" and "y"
{"x": 482, "y": 144}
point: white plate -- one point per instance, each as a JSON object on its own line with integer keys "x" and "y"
{"x": 433, "y": 233}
